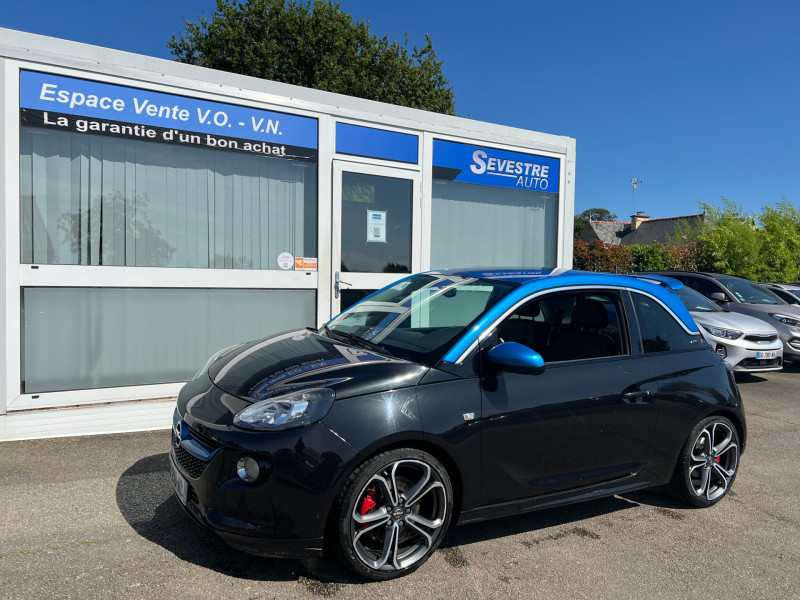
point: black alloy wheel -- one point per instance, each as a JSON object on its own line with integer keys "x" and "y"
{"x": 393, "y": 513}
{"x": 708, "y": 462}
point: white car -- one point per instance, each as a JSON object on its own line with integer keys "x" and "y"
{"x": 746, "y": 343}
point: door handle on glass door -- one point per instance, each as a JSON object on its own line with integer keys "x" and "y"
{"x": 336, "y": 284}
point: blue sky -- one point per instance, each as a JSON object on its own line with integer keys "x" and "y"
{"x": 698, "y": 99}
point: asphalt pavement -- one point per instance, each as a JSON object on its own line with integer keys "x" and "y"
{"x": 94, "y": 517}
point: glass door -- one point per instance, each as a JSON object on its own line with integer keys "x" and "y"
{"x": 376, "y": 229}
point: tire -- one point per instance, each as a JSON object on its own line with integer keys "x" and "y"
{"x": 392, "y": 513}
{"x": 708, "y": 462}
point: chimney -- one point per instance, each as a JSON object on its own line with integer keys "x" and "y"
{"x": 638, "y": 219}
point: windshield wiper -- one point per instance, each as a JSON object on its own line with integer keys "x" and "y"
{"x": 358, "y": 340}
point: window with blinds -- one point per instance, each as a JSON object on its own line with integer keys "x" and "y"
{"x": 98, "y": 200}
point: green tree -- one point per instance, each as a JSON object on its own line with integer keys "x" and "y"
{"x": 314, "y": 44}
{"x": 780, "y": 255}
{"x": 592, "y": 214}
{"x": 762, "y": 247}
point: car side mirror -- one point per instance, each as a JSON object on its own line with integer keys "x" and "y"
{"x": 516, "y": 358}
{"x": 719, "y": 297}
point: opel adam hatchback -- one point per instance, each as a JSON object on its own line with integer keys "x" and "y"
{"x": 452, "y": 397}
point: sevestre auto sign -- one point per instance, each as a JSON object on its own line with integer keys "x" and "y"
{"x": 490, "y": 166}
{"x": 55, "y": 101}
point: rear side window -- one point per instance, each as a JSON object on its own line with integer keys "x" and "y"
{"x": 660, "y": 331}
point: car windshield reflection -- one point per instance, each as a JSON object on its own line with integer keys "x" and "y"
{"x": 696, "y": 301}
{"x": 747, "y": 291}
{"x": 419, "y": 318}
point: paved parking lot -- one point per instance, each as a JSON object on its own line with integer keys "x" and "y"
{"x": 95, "y": 517}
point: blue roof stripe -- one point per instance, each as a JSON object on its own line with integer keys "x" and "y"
{"x": 532, "y": 283}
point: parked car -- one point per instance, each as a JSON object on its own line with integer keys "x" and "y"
{"x": 789, "y": 293}
{"x": 452, "y": 397}
{"x": 744, "y": 342}
{"x": 747, "y": 297}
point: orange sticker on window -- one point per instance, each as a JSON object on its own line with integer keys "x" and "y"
{"x": 305, "y": 264}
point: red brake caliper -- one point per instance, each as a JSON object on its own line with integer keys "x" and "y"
{"x": 369, "y": 501}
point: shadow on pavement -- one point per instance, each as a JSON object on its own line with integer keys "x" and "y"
{"x": 790, "y": 366}
{"x": 146, "y": 501}
{"x": 744, "y": 378}
{"x": 535, "y": 521}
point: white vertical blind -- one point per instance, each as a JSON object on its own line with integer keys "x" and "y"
{"x": 98, "y": 200}
{"x": 483, "y": 226}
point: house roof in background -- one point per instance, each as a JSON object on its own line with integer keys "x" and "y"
{"x": 649, "y": 231}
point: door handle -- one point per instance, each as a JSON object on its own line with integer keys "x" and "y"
{"x": 636, "y": 397}
{"x": 337, "y": 281}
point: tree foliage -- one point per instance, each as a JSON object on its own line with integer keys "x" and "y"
{"x": 592, "y": 214}
{"x": 314, "y": 44}
{"x": 761, "y": 247}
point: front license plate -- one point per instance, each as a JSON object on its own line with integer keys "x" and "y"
{"x": 179, "y": 483}
{"x": 767, "y": 354}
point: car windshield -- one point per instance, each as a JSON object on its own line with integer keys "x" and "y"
{"x": 421, "y": 317}
{"x": 696, "y": 301}
{"x": 747, "y": 291}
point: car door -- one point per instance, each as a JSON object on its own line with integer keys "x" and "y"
{"x": 588, "y": 418}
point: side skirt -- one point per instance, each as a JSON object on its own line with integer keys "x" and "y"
{"x": 652, "y": 476}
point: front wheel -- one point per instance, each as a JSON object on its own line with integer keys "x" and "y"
{"x": 708, "y": 462}
{"x": 393, "y": 513}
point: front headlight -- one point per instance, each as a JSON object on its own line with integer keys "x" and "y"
{"x": 728, "y": 334}
{"x": 211, "y": 360}
{"x": 786, "y": 320}
{"x": 286, "y": 412}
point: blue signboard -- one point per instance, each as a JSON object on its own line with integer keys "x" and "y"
{"x": 489, "y": 166}
{"x": 54, "y": 100}
{"x": 376, "y": 143}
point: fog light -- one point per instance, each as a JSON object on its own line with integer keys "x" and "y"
{"x": 721, "y": 351}
{"x": 247, "y": 469}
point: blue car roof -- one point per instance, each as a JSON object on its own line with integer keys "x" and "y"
{"x": 536, "y": 280}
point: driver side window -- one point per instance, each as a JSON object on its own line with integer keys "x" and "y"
{"x": 569, "y": 326}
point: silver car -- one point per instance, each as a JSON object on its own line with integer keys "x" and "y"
{"x": 788, "y": 292}
{"x": 746, "y": 343}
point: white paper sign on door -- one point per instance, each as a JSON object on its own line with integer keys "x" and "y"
{"x": 376, "y": 226}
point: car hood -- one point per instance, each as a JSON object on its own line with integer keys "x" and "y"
{"x": 264, "y": 368}
{"x": 730, "y": 320}
{"x": 763, "y": 311}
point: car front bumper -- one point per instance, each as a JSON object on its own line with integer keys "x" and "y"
{"x": 743, "y": 356}
{"x": 284, "y": 513}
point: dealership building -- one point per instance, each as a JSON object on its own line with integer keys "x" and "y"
{"x": 154, "y": 212}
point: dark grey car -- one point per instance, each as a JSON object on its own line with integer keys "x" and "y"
{"x": 747, "y": 297}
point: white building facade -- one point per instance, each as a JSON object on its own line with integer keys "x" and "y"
{"x": 154, "y": 212}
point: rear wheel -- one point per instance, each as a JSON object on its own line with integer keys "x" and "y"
{"x": 393, "y": 513}
{"x": 708, "y": 462}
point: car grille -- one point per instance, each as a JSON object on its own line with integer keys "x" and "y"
{"x": 754, "y": 337}
{"x": 753, "y": 363}
{"x": 205, "y": 440}
{"x": 188, "y": 462}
